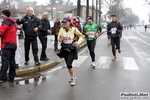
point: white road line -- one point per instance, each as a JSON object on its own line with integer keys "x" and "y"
{"x": 143, "y": 35}
{"x": 103, "y": 62}
{"x": 140, "y": 39}
{"x": 79, "y": 61}
{"x": 129, "y": 63}
{"x": 82, "y": 51}
{"x": 52, "y": 70}
{"x": 148, "y": 59}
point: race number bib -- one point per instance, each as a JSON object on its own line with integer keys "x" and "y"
{"x": 91, "y": 34}
{"x": 67, "y": 39}
{"x": 113, "y": 30}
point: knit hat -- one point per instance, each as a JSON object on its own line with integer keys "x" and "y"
{"x": 90, "y": 17}
{"x": 66, "y": 19}
{"x": 6, "y": 12}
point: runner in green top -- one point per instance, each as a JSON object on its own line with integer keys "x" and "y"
{"x": 91, "y": 32}
{"x": 91, "y": 28}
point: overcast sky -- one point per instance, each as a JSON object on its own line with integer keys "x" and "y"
{"x": 136, "y": 5}
{"x": 139, "y": 8}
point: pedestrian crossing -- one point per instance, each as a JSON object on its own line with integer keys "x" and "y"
{"x": 104, "y": 62}
{"x": 130, "y": 64}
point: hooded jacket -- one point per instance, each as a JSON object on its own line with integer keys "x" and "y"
{"x": 8, "y": 34}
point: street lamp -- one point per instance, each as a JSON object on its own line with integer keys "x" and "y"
{"x": 4, "y": 4}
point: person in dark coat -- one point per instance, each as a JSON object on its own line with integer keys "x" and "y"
{"x": 145, "y": 27}
{"x": 43, "y": 32}
{"x": 31, "y": 24}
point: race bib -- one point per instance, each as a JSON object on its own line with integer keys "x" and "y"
{"x": 91, "y": 34}
{"x": 67, "y": 39}
{"x": 113, "y": 30}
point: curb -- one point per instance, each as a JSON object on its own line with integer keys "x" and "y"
{"x": 35, "y": 69}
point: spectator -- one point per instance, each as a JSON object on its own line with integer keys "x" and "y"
{"x": 8, "y": 31}
{"x": 78, "y": 21}
{"x": 43, "y": 32}
{"x": 31, "y": 25}
{"x": 145, "y": 27}
{"x": 55, "y": 30}
{"x": 75, "y": 22}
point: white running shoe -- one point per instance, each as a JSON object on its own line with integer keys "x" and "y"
{"x": 93, "y": 65}
{"x": 74, "y": 77}
{"x": 73, "y": 82}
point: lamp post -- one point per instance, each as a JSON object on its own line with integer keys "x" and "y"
{"x": 100, "y": 12}
{"x": 96, "y": 9}
{"x": 52, "y": 11}
{"x": 4, "y": 4}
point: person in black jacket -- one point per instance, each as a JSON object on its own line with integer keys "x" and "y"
{"x": 31, "y": 25}
{"x": 43, "y": 32}
{"x": 114, "y": 30}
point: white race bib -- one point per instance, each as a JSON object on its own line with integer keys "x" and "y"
{"x": 67, "y": 39}
{"x": 91, "y": 34}
{"x": 113, "y": 30}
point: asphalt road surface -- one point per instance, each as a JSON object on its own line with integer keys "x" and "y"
{"x": 130, "y": 73}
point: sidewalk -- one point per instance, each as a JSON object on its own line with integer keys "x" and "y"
{"x": 51, "y": 54}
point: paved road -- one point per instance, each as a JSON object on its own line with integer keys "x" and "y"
{"x": 130, "y": 73}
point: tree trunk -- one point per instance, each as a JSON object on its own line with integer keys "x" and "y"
{"x": 96, "y": 10}
{"x": 99, "y": 12}
{"x": 87, "y": 8}
{"x": 78, "y": 7}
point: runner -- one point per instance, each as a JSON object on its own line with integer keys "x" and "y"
{"x": 114, "y": 29}
{"x": 67, "y": 36}
{"x": 91, "y": 31}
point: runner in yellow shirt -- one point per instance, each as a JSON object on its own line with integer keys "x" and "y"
{"x": 67, "y": 37}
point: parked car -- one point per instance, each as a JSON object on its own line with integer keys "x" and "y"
{"x": 104, "y": 25}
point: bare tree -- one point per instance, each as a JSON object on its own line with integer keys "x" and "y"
{"x": 87, "y": 8}
{"x": 78, "y": 7}
{"x": 148, "y": 2}
{"x": 12, "y": 9}
{"x": 61, "y": 2}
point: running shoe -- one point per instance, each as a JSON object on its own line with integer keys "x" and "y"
{"x": 73, "y": 82}
{"x": 119, "y": 51}
{"x": 74, "y": 77}
{"x": 93, "y": 65}
{"x": 114, "y": 59}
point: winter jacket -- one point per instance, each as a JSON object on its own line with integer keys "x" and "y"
{"x": 114, "y": 29}
{"x": 45, "y": 26}
{"x": 29, "y": 24}
{"x": 8, "y": 31}
{"x": 56, "y": 27}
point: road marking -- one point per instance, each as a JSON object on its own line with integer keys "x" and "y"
{"x": 129, "y": 63}
{"x": 103, "y": 62}
{"x": 140, "y": 39}
{"x": 143, "y": 35}
{"x": 148, "y": 59}
{"x": 52, "y": 70}
{"x": 79, "y": 61}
